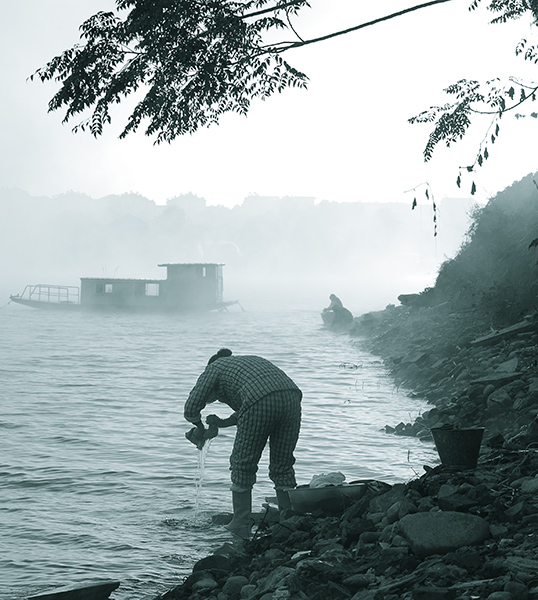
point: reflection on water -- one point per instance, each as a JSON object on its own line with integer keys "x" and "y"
{"x": 98, "y": 480}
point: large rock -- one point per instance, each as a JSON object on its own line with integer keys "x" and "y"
{"x": 276, "y": 579}
{"x": 96, "y": 590}
{"x": 443, "y": 531}
{"x": 499, "y": 401}
{"x": 508, "y": 366}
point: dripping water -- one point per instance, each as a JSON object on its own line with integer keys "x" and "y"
{"x": 199, "y": 479}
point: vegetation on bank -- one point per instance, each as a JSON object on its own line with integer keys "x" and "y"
{"x": 493, "y": 279}
{"x": 469, "y": 345}
{"x": 495, "y": 274}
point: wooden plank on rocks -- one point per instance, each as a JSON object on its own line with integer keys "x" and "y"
{"x": 97, "y": 590}
{"x": 491, "y": 338}
{"x": 497, "y": 378}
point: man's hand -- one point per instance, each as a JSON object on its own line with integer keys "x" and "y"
{"x": 196, "y": 436}
{"x": 214, "y": 420}
{"x": 211, "y": 432}
{"x": 199, "y": 435}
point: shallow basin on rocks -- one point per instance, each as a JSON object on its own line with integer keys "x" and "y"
{"x": 332, "y": 499}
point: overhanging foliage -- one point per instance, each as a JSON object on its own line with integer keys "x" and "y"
{"x": 189, "y": 61}
{"x": 192, "y": 61}
{"x": 493, "y": 98}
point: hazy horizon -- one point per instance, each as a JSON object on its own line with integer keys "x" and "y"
{"x": 277, "y": 252}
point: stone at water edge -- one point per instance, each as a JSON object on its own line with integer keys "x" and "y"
{"x": 443, "y": 531}
{"x": 98, "y": 590}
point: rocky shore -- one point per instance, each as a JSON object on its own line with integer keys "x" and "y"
{"x": 473, "y": 375}
{"x": 451, "y": 533}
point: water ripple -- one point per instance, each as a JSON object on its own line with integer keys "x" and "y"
{"x": 96, "y": 475}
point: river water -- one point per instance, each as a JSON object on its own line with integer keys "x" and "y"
{"x": 97, "y": 480}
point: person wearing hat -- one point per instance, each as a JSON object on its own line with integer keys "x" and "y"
{"x": 267, "y": 408}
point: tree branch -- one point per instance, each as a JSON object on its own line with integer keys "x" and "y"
{"x": 293, "y": 28}
{"x": 362, "y": 25}
{"x": 503, "y": 110}
{"x": 268, "y": 10}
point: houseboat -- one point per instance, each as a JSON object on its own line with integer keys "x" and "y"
{"x": 187, "y": 287}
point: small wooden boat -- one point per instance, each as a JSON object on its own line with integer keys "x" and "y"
{"x": 332, "y": 320}
{"x": 187, "y": 287}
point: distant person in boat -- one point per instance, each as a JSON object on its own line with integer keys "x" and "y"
{"x": 267, "y": 407}
{"x": 335, "y": 303}
{"x": 342, "y": 316}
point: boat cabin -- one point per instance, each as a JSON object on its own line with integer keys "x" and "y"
{"x": 186, "y": 287}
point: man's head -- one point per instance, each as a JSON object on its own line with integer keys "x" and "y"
{"x": 220, "y": 354}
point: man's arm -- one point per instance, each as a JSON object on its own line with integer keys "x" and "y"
{"x": 228, "y": 422}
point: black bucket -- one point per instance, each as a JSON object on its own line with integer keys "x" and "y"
{"x": 458, "y": 448}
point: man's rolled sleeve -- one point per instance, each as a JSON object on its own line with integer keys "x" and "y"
{"x": 200, "y": 395}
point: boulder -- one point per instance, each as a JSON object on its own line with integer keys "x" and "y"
{"x": 97, "y": 590}
{"x": 433, "y": 593}
{"x": 498, "y": 401}
{"x": 508, "y": 366}
{"x": 212, "y": 562}
{"x": 384, "y": 501}
{"x": 530, "y": 485}
{"x": 276, "y": 579}
{"x": 234, "y": 585}
{"x": 442, "y": 531}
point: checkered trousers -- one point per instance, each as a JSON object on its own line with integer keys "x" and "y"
{"x": 275, "y": 418}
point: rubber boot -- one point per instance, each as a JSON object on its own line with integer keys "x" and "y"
{"x": 241, "y": 522}
{"x": 283, "y": 501}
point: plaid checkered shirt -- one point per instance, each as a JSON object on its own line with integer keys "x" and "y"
{"x": 239, "y": 382}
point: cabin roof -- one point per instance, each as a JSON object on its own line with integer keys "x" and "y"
{"x": 191, "y": 265}
{"x": 104, "y": 279}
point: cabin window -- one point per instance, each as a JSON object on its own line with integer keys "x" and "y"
{"x": 204, "y": 272}
{"x": 152, "y": 289}
{"x": 103, "y": 288}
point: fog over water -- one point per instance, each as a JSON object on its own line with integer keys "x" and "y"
{"x": 278, "y": 252}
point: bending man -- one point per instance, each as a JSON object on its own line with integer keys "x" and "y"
{"x": 267, "y": 407}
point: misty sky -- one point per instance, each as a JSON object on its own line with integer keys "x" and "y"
{"x": 345, "y": 139}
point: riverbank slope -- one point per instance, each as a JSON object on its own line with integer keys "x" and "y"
{"x": 469, "y": 346}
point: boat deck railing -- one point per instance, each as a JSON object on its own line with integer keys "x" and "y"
{"x": 55, "y": 294}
